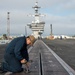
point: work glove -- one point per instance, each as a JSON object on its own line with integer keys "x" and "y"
{"x": 26, "y": 69}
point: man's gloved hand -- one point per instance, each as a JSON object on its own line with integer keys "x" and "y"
{"x": 27, "y": 64}
{"x": 26, "y": 69}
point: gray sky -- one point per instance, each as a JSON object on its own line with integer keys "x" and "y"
{"x": 59, "y": 13}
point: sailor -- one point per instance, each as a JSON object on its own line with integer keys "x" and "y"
{"x": 16, "y": 54}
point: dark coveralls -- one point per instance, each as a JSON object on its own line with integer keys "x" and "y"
{"x": 14, "y": 53}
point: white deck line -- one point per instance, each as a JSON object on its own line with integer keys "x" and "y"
{"x": 64, "y": 64}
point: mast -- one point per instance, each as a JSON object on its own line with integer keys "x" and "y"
{"x": 51, "y": 30}
{"x": 8, "y": 25}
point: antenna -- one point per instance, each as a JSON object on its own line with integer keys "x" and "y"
{"x": 8, "y": 25}
{"x": 25, "y": 31}
{"x": 51, "y": 33}
{"x": 51, "y": 29}
{"x": 36, "y": 0}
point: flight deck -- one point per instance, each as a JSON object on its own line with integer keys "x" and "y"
{"x": 46, "y": 62}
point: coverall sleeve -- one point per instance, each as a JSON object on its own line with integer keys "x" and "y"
{"x": 18, "y": 48}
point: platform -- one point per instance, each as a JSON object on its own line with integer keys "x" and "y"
{"x": 45, "y": 62}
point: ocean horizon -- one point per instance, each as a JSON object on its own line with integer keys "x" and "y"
{"x": 42, "y": 34}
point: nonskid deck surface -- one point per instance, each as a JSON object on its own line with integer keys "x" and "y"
{"x": 44, "y": 62}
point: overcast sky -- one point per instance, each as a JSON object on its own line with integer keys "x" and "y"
{"x": 59, "y": 13}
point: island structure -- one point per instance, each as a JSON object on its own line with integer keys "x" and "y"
{"x": 37, "y": 26}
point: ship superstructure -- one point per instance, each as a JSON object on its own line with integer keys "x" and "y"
{"x": 37, "y": 26}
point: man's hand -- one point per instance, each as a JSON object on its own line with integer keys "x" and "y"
{"x": 23, "y": 61}
{"x": 26, "y": 70}
{"x": 28, "y": 64}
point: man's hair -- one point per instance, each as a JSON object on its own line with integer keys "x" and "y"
{"x": 27, "y": 37}
{"x": 32, "y": 38}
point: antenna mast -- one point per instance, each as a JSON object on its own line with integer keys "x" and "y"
{"x": 8, "y": 25}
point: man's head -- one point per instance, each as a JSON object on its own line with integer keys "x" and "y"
{"x": 30, "y": 40}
